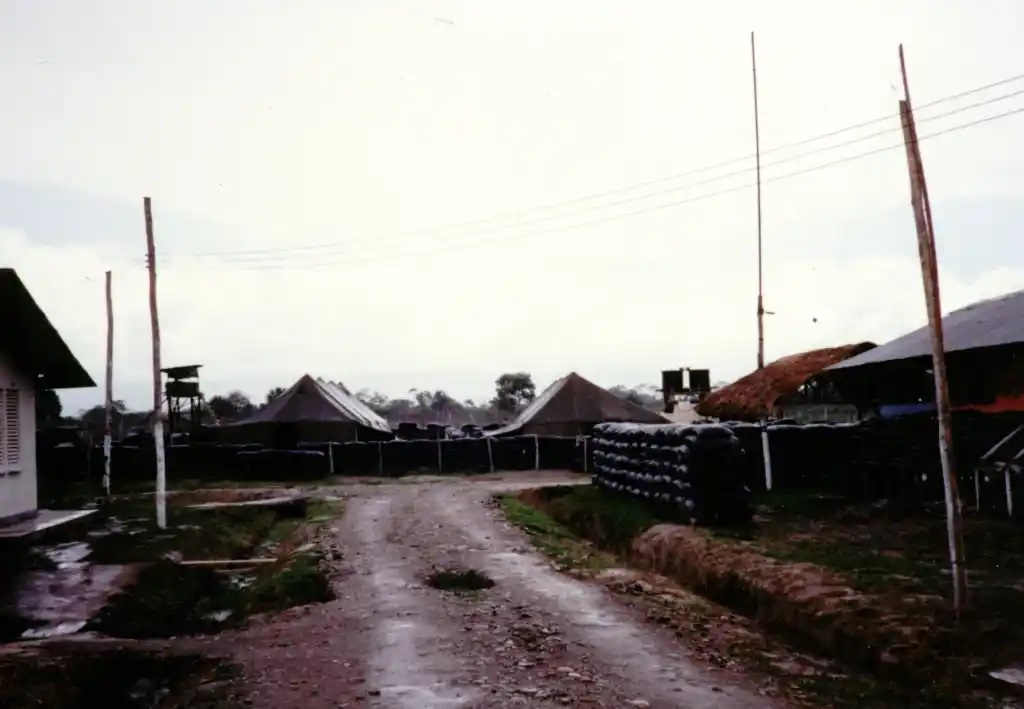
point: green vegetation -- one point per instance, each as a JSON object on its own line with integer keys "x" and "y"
{"x": 168, "y": 598}
{"x": 553, "y": 539}
{"x": 895, "y": 558}
{"x": 610, "y": 522}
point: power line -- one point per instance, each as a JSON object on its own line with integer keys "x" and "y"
{"x": 278, "y": 264}
{"x": 341, "y": 248}
{"x": 402, "y": 235}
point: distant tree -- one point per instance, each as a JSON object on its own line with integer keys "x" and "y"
{"x": 94, "y": 420}
{"x": 234, "y": 405}
{"x": 48, "y": 408}
{"x": 442, "y": 405}
{"x": 274, "y": 393}
{"x": 644, "y": 395}
{"x": 512, "y": 391}
{"x": 220, "y": 407}
{"x": 424, "y": 399}
{"x": 379, "y": 403}
{"x": 398, "y": 410}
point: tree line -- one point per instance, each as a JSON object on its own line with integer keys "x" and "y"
{"x": 513, "y": 391}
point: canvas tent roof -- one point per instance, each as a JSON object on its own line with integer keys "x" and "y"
{"x": 312, "y": 399}
{"x": 573, "y": 398}
{"x": 32, "y": 341}
{"x": 989, "y": 323}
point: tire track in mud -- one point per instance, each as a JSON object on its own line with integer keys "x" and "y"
{"x": 538, "y": 639}
{"x": 644, "y": 662}
{"x": 409, "y": 665}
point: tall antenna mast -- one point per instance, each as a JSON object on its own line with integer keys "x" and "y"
{"x": 760, "y": 279}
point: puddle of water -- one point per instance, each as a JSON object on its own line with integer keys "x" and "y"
{"x": 61, "y": 601}
{"x": 69, "y": 555}
{"x": 53, "y": 631}
{"x": 218, "y": 616}
{"x": 1010, "y": 675}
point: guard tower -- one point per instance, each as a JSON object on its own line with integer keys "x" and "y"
{"x": 183, "y": 386}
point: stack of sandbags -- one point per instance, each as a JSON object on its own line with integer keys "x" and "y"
{"x": 691, "y": 473}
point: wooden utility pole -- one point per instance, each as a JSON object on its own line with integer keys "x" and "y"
{"x": 760, "y": 280}
{"x": 109, "y": 397}
{"x": 766, "y": 453}
{"x": 930, "y": 276}
{"x": 158, "y": 424}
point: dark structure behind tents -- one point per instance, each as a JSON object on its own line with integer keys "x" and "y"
{"x": 572, "y": 406}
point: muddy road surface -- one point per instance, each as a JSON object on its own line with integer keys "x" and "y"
{"x": 537, "y": 638}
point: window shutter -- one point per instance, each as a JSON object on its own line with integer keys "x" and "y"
{"x": 3, "y": 431}
{"x": 13, "y": 426}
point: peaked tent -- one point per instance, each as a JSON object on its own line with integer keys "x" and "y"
{"x": 312, "y": 410}
{"x": 572, "y": 406}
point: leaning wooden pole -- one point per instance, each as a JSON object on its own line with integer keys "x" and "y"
{"x": 108, "y": 402}
{"x": 766, "y": 451}
{"x": 158, "y": 424}
{"x": 930, "y": 276}
{"x": 760, "y": 275}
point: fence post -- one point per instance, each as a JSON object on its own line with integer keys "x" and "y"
{"x": 439, "y": 462}
{"x": 536, "y": 452}
{"x": 330, "y": 456}
{"x": 380, "y": 458}
{"x": 490, "y": 454}
{"x": 1009, "y": 492}
{"x": 586, "y": 463}
{"x": 766, "y": 452}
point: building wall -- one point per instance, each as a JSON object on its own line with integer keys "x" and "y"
{"x": 18, "y": 493}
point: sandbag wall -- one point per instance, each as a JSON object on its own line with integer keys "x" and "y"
{"x": 895, "y": 459}
{"x": 687, "y": 473}
{"x": 317, "y": 460}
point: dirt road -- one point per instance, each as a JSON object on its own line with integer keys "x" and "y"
{"x": 538, "y": 638}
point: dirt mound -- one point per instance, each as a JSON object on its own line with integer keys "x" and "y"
{"x": 803, "y": 601}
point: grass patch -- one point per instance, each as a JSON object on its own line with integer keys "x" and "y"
{"x": 890, "y": 559}
{"x": 460, "y": 580}
{"x": 610, "y": 521}
{"x": 551, "y": 538}
{"x": 169, "y": 599}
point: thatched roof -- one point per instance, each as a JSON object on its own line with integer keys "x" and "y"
{"x": 755, "y": 395}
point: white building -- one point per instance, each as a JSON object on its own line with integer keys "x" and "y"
{"x": 32, "y": 357}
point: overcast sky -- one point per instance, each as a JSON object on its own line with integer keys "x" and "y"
{"x": 322, "y": 151}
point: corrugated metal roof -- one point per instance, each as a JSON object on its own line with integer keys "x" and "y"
{"x": 32, "y": 341}
{"x": 573, "y": 398}
{"x": 989, "y": 323}
{"x": 312, "y": 399}
{"x": 356, "y": 410}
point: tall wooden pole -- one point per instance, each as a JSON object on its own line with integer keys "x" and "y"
{"x": 930, "y": 276}
{"x": 109, "y": 396}
{"x": 760, "y": 279}
{"x": 158, "y": 424}
{"x": 766, "y": 453}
